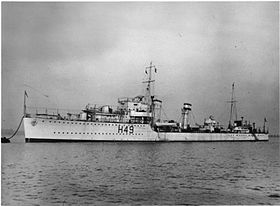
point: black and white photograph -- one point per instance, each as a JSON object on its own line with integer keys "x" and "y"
{"x": 140, "y": 103}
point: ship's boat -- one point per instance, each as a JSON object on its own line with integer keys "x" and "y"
{"x": 133, "y": 119}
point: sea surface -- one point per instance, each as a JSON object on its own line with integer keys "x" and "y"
{"x": 140, "y": 173}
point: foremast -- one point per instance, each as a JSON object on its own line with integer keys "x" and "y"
{"x": 149, "y": 93}
{"x": 154, "y": 105}
{"x": 233, "y": 109}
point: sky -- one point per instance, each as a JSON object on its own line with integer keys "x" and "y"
{"x": 66, "y": 55}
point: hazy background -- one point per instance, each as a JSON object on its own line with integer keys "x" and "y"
{"x": 79, "y": 53}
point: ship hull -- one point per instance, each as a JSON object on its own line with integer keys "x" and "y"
{"x": 49, "y": 130}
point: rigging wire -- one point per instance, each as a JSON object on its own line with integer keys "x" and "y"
{"x": 45, "y": 95}
{"x": 194, "y": 119}
{"x": 164, "y": 113}
{"x": 180, "y": 119}
{"x": 224, "y": 114}
{"x": 52, "y": 100}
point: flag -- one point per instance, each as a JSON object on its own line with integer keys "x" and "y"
{"x": 146, "y": 71}
{"x": 265, "y": 120}
{"x": 25, "y": 93}
{"x": 155, "y": 70}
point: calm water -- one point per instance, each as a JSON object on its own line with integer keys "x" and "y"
{"x": 140, "y": 173}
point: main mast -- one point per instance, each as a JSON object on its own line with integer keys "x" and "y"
{"x": 232, "y": 107}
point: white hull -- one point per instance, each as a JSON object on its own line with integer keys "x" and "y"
{"x": 39, "y": 129}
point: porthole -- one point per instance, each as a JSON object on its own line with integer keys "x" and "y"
{"x": 54, "y": 132}
{"x": 71, "y": 122}
{"x": 54, "y": 121}
{"x": 62, "y": 132}
{"x": 71, "y": 132}
{"x": 50, "y": 121}
{"x": 67, "y": 122}
{"x": 58, "y": 132}
{"x": 63, "y": 122}
{"x": 43, "y": 121}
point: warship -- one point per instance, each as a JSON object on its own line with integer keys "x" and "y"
{"x": 134, "y": 119}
